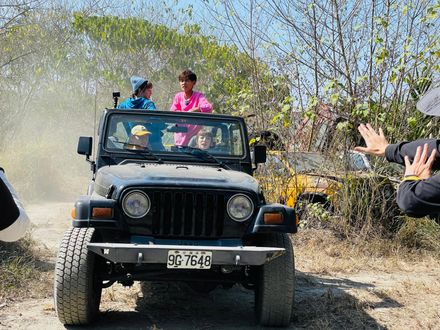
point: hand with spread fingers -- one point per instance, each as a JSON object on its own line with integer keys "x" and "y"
{"x": 422, "y": 165}
{"x": 376, "y": 143}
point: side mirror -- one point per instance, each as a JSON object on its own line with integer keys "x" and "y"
{"x": 85, "y": 145}
{"x": 259, "y": 154}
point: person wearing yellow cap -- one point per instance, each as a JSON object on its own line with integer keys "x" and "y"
{"x": 139, "y": 139}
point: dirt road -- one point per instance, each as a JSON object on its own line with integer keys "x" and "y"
{"x": 404, "y": 299}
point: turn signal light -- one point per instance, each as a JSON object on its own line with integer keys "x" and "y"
{"x": 102, "y": 212}
{"x": 273, "y": 218}
{"x": 73, "y": 213}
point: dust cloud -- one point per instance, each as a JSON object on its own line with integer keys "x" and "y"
{"x": 39, "y": 152}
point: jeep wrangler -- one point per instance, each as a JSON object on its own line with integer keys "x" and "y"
{"x": 172, "y": 212}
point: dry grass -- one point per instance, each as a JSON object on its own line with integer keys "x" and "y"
{"x": 117, "y": 293}
{"x": 358, "y": 283}
{"x": 325, "y": 303}
{"x": 24, "y": 270}
{"x": 323, "y": 252}
{"x": 420, "y": 234}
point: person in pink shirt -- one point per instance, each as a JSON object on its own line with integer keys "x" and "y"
{"x": 189, "y": 100}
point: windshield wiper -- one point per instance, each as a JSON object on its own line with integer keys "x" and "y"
{"x": 142, "y": 150}
{"x": 203, "y": 154}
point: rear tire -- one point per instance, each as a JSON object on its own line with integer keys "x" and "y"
{"x": 275, "y": 289}
{"x": 77, "y": 289}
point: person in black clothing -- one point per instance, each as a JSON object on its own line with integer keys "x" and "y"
{"x": 419, "y": 192}
{"x": 13, "y": 220}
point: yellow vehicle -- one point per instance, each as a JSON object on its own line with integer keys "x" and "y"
{"x": 299, "y": 178}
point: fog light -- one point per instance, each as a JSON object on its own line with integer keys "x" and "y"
{"x": 273, "y": 218}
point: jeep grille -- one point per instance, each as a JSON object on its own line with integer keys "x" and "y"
{"x": 188, "y": 213}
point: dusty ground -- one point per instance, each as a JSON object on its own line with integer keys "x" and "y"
{"x": 371, "y": 294}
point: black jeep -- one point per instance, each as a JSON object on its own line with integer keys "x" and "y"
{"x": 172, "y": 211}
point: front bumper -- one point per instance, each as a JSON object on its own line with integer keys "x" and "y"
{"x": 158, "y": 254}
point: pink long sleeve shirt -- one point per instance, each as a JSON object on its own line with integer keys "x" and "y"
{"x": 197, "y": 100}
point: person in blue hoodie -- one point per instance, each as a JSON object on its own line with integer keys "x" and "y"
{"x": 140, "y": 99}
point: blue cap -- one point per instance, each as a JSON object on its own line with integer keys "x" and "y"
{"x": 137, "y": 82}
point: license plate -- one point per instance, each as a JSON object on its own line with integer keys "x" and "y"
{"x": 189, "y": 259}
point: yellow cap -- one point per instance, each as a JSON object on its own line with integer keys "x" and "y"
{"x": 139, "y": 130}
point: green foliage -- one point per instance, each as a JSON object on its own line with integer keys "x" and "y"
{"x": 224, "y": 70}
{"x": 315, "y": 215}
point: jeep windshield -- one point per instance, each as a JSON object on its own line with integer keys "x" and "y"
{"x": 307, "y": 162}
{"x": 173, "y": 134}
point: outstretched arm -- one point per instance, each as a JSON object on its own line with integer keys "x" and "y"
{"x": 396, "y": 152}
{"x": 419, "y": 192}
{"x": 378, "y": 145}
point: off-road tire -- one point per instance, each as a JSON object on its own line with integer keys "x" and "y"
{"x": 77, "y": 291}
{"x": 275, "y": 290}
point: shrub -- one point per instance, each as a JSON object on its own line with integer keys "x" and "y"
{"x": 367, "y": 206}
{"x": 422, "y": 233}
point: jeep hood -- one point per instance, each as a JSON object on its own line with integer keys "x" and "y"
{"x": 171, "y": 175}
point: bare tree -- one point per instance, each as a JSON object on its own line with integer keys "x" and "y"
{"x": 359, "y": 58}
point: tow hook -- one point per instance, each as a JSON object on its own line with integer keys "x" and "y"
{"x": 237, "y": 260}
{"x": 140, "y": 258}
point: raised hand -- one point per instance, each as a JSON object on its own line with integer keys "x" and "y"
{"x": 421, "y": 165}
{"x": 376, "y": 143}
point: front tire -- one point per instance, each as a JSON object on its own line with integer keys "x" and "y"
{"x": 275, "y": 290}
{"x": 77, "y": 289}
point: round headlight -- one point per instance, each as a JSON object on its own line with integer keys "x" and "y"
{"x": 136, "y": 204}
{"x": 240, "y": 207}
